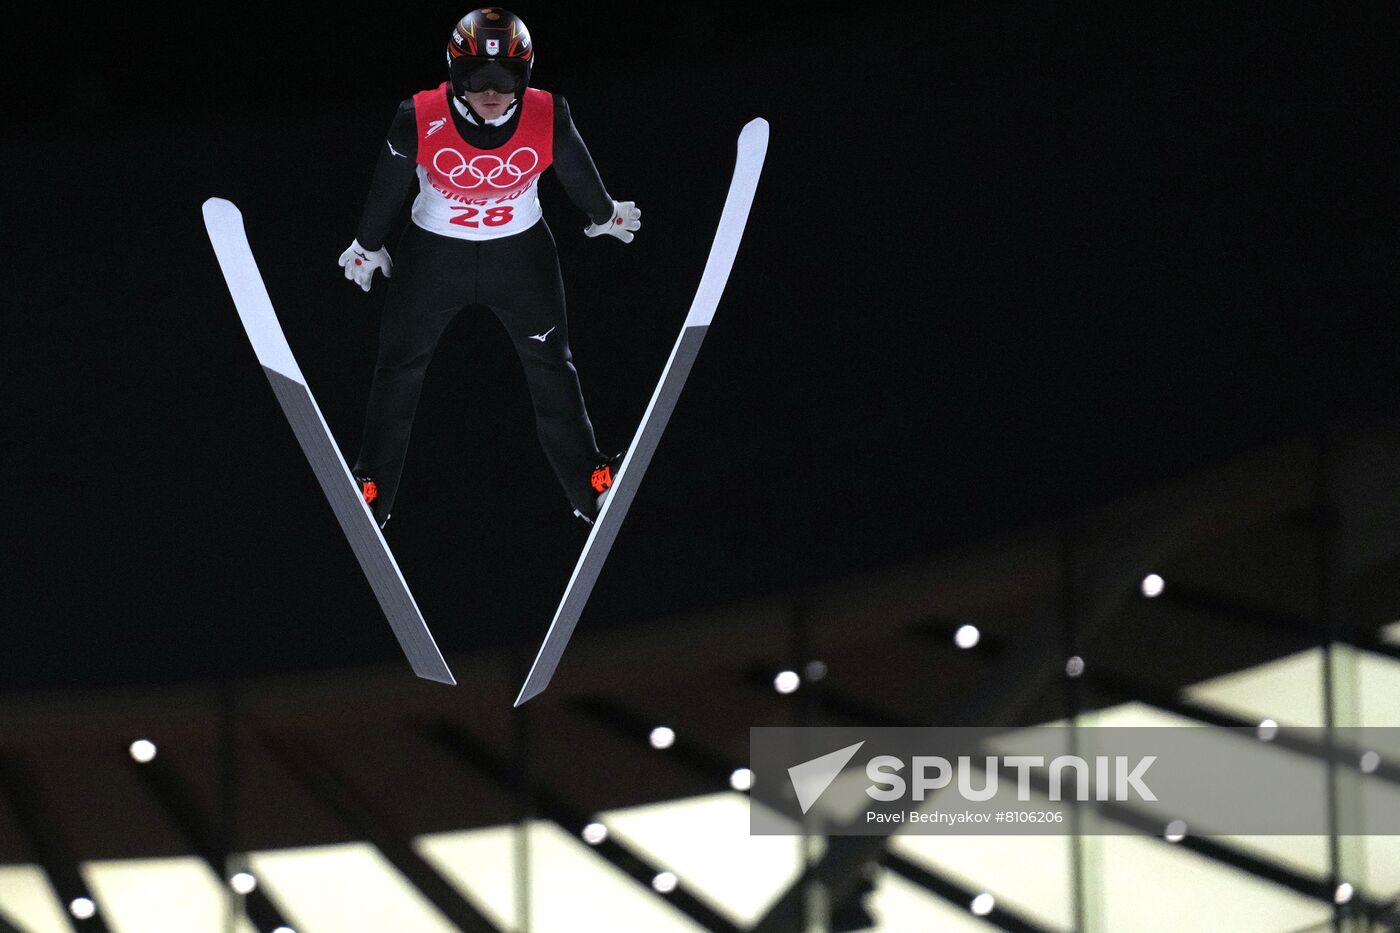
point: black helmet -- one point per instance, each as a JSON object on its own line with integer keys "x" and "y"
{"x": 490, "y": 48}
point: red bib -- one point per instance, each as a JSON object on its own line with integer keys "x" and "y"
{"x": 480, "y": 193}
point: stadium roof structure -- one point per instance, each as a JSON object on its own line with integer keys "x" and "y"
{"x": 1266, "y": 588}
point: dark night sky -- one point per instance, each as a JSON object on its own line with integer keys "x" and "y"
{"x": 1003, "y": 264}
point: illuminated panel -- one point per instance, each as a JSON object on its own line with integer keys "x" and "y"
{"x": 572, "y": 887}
{"x": 347, "y": 888}
{"x": 29, "y": 902}
{"x": 1028, "y": 874}
{"x": 1378, "y": 682}
{"x": 1148, "y": 886}
{"x": 1289, "y": 690}
{"x": 1382, "y": 866}
{"x": 706, "y": 842}
{"x": 901, "y": 906}
{"x": 159, "y": 895}
{"x": 480, "y": 863}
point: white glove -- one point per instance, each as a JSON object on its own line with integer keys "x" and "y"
{"x": 359, "y": 264}
{"x": 626, "y": 218}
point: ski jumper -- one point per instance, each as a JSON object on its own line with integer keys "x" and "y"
{"x": 477, "y": 238}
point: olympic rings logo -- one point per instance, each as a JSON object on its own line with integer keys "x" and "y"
{"x": 485, "y": 169}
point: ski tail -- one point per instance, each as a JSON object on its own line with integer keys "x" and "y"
{"x": 752, "y": 148}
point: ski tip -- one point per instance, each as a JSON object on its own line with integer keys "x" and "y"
{"x": 756, "y": 130}
{"x": 220, "y": 207}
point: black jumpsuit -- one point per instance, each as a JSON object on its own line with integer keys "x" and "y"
{"x": 517, "y": 277}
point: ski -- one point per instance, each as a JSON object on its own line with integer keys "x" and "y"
{"x": 225, "y": 225}
{"x": 753, "y": 146}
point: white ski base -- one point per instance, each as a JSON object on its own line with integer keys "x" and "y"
{"x": 753, "y": 146}
{"x": 225, "y": 225}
